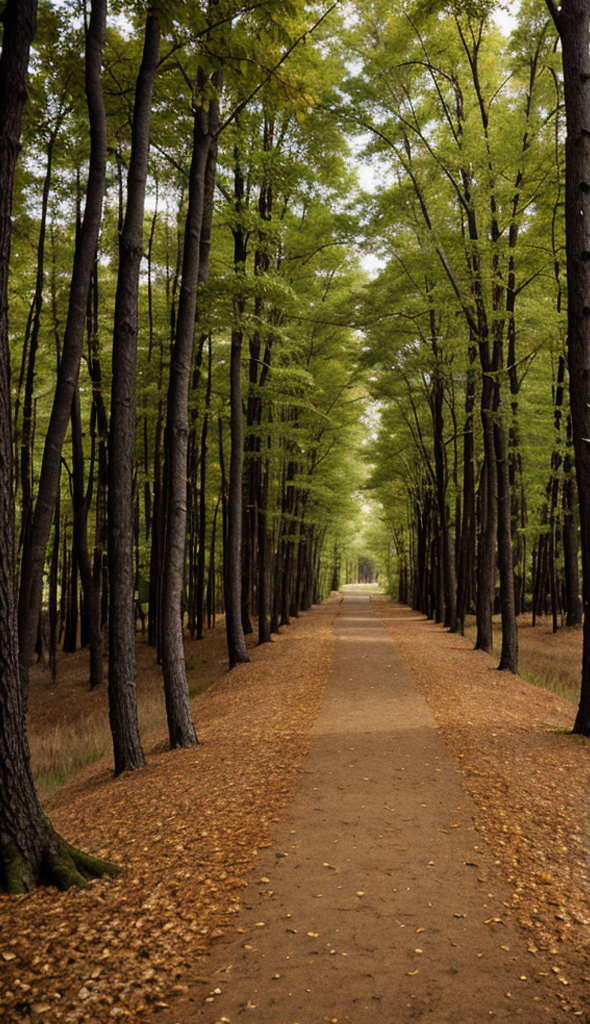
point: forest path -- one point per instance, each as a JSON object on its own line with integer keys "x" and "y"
{"x": 374, "y": 903}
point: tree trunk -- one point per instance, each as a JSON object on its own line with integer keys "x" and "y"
{"x": 486, "y": 562}
{"x": 81, "y": 502}
{"x": 236, "y": 642}
{"x": 570, "y": 547}
{"x": 84, "y": 259}
{"x": 30, "y": 851}
{"x": 448, "y": 587}
{"x": 122, "y": 669}
{"x": 509, "y": 653}
{"x": 180, "y": 726}
{"x": 31, "y": 343}
{"x": 263, "y": 556}
{"x": 467, "y": 545}
{"x": 202, "y": 553}
{"x": 211, "y": 583}
{"x": 572, "y": 21}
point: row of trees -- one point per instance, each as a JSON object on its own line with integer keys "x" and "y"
{"x": 185, "y": 402}
{"x": 189, "y": 338}
{"x": 468, "y": 328}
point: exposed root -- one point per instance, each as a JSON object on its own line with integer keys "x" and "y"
{"x": 58, "y": 864}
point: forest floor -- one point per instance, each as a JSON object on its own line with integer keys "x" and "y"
{"x": 428, "y": 859}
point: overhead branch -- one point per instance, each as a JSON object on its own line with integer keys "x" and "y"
{"x": 244, "y": 103}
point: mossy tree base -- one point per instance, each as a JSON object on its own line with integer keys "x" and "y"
{"x": 60, "y": 864}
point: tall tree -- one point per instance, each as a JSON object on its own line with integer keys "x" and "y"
{"x": 122, "y": 671}
{"x": 31, "y": 586}
{"x": 205, "y": 125}
{"x": 572, "y": 20}
{"x": 30, "y": 850}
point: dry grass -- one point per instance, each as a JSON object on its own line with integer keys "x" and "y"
{"x": 59, "y": 754}
{"x": 548, "y": 659}
{"x": 68, "y": 724}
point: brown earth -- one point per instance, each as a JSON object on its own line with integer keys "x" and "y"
{"x": 436, "y": 871}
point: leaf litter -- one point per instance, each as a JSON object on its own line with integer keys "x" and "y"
{"x": 186, "y": 831}
{"x": 529, "y": 777}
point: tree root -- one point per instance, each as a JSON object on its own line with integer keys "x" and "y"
{"x": 60, "y": 864}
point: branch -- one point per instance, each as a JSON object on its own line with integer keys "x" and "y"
{"x": 553, "y": 11}
{"x": 238, "y": 110}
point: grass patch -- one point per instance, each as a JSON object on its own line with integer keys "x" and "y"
{"x": 561, "y": 688}
{"x": 60, "y": 753}
{"x": 546, "y": 659}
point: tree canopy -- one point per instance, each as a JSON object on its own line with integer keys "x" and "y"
{"x": 288, "y": 291}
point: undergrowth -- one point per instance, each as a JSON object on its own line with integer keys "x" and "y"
{"x": 548, "y": 682}
{"x": 549, "y": 660}
{"x": 59, "y": 754}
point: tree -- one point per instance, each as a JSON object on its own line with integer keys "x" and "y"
{"x": 572, "y": 21}
{"x": 205, "y": 124}
{"x": 31, "y": 585}
{"x": 122, "y": 673}
{"x": 30, "y": 850}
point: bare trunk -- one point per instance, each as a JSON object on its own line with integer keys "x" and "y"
{"x": 80, "y": 546}
{"x": 572, "y": 21}
{"x": 180, "y": 726}
{"x": 85, "y": 254}
{"x": 30, "y": 851}
{"x": 122, "y": 670}
{"x": 236, "y": 642}
{"x": 509, "y": 653}
{"x": 486, "y": 561}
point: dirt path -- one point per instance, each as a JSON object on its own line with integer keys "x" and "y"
{"x": 377, "y": 902}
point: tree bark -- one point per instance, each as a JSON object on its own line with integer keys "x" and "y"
{"x": 180, "y": 726}
{"x": 30, "y": 345}
{"x": 236, "y": 642}
{"x": 467, "y": 544}
{"x": 81, "y": 502}
{"x": 122, "y": 668}
{"x": 486, "y": 562}
{"x": 30, "y": 850}
{"x": 572, "y": 22}
{"x": 84, "y": 259}
{"x": 509, "y": 652}
{"x": 570, "y": 547}
{"x": 202, "y": 553}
